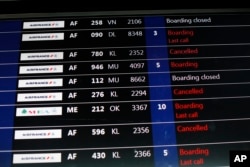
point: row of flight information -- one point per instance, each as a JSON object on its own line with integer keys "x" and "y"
{"x": 142, "y": 90}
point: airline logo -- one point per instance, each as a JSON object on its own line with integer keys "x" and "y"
{"x": 43, "y": 24}
{"x": 38, "y": 134}
{"x": 34, "y": 97}
{"x": 41, "y": 69}
{"x": 37, "y": 83}
{"x": 37, "y": 158}
{"x": 41, "y": 56}
{"x": 43, "y": 37}
{"x": 38, "y": 111}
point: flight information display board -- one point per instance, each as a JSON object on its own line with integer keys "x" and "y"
{"x": 120, "y": 89}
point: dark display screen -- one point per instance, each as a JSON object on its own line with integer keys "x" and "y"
{"x": 147, "y": 89}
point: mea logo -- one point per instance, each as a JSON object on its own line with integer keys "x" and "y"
{"x": 240, "y": 158}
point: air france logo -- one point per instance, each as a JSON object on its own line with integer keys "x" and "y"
{"x": 33, "y": 83}
{"x": 29, "y": 97}
{"x": 41, "y": 69}
{"x": 43, "y": 24}
{"x": 38, "y": 134}
{"x": 37, "y": 158}
{"x": 41, "y": 56}
{"x": 43, "y": 37}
